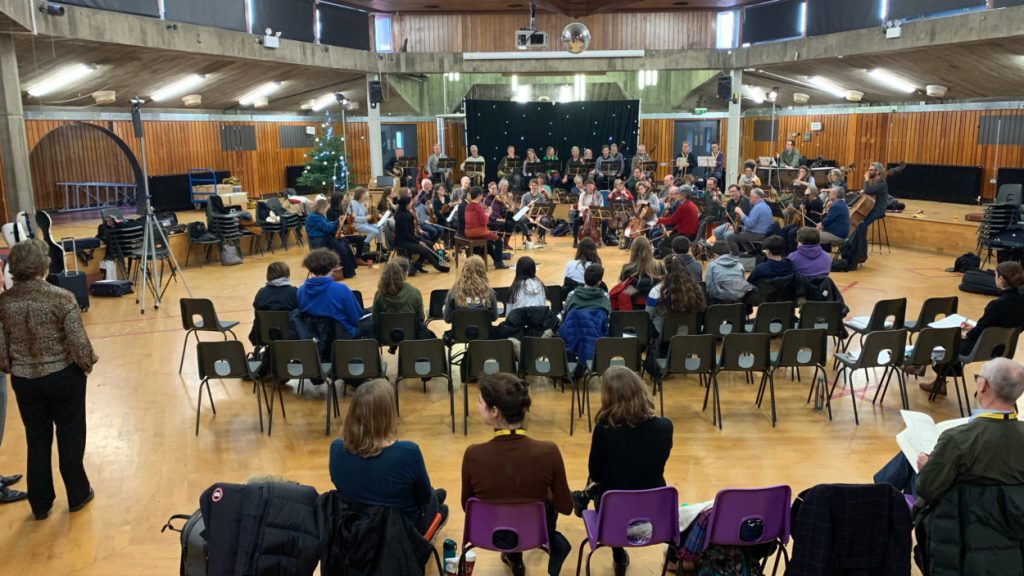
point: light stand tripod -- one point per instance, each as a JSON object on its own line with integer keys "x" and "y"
{"x": 151, "y": 275}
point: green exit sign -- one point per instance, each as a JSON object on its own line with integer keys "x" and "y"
{"x": 700, "y": 111}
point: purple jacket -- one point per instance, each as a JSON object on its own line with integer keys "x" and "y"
{"x": 811, "y": 260}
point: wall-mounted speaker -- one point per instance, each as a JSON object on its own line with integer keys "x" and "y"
{"x": 724, "y": 87}
{"x": 376, "y": 92}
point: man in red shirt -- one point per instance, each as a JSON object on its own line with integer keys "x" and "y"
{"x": 682, "y": 219}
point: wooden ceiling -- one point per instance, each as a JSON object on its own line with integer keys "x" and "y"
{"x": 140, "y": 72}
{"x": 567, "y": 7}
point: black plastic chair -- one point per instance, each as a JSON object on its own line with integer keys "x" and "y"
{"x": 886, "y": 315}
{"x": 994, "y": 342}
{"x": 773, "y": 318}
{"x": 279, "y": 228}
{"x": 395, "y": 327}
{"x": 546, "y": 357}
{"x": 687, "y": 354}
{"x": 608, "y": 352}
{"x": 721, "y": 320}
{"x": 206, "y": 322}
{"x": 882, "y": 349}
{"x": 555, "y": 298}
{"x": 744, "y": 353}
{"x": 931, "y": 309}
{"x": 632, "y": 324}
{"x": 435, "y": 306}
{"x": 501, "y": 295}
{"x": 359, "y": 300}
{"x": 467, "y": 325}
{"x": 937, "y": 347}
{"x": 802, "y": 347}
{"x": 356, "y": 361}
{"x": 424, "y": 360}
{"x": 825, "y": 315}
{"x": 300, "y": 359}
{"x": 225, "y": 360}
{"x": 486, "y": 357}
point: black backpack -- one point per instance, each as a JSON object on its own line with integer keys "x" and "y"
{"x": 197, "y": 232}
{"x": 966, "y": 261}
{"x": 193, "y": 545}
{"x": 980, "y": 282}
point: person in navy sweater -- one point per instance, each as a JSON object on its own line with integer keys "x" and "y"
{"x": 776, "y": 264}
{"x": 369, "y": 465}
{"x": 321, "y": 296}
{"x": 835, "y": 227}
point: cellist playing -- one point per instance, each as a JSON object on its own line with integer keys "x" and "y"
{"x": 588, "y": 199}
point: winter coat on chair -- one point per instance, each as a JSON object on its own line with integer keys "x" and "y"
{"x": 531, "y": 321}
{"x": 973, "y": 529}
{"x": 361, "y": 540}
{"x": 263, "y": 529}
{"x": 580, "y": 331}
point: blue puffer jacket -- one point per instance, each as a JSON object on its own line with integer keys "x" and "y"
{"x": 580, "y": 331}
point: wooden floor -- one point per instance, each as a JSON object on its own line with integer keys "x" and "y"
{"x": 145, "y": 463}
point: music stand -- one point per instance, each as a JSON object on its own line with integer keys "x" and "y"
{"x": 574, "y": 170}
{"x": 624, "y": 206}
{"x": 588, "y": 166}
{"x": 445, "y": 165}
{"x": 552, "y": 166}
{"x": 648, "y": 168}
{"x": 534, "y": 168}
{"x": 475, "y": 171}
{"x": 707, "y": 162}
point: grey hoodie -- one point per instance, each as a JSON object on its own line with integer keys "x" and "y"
{"x": 725, "y": 280}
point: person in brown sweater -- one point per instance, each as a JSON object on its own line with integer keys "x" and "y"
{"x": 513, "y": 468}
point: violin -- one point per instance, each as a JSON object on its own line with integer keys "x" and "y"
{"x": 346, "y": 226}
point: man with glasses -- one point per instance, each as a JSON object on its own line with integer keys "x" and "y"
{"x": 986, "y": 450}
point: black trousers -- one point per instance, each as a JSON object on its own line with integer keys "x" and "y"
{"x": 560, "y": 546}
{"x": 55, "y": 400}
{"x": 427, "y": 256}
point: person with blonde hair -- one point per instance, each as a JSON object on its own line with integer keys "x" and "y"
{"x": 471, "y": 291}
{"x": 629, "y": 446}
{"x": 369, "y": 465}
{"x": 321, "y": 233}
{"x": 45, "y": 349}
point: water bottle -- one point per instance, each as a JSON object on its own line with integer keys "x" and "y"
{"x": 449, "y": 549}
{"x": 819, "y": 393}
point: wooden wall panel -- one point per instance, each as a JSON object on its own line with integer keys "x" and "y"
{"x": 614, "y": 31}
{"x": 946, "y": 137}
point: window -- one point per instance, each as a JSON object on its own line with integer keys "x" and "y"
{"x": 803, "y": 18}
{"x": 382, "y": 32}
{"x": 399, "y": 140}
{"x": 727, "y": 28}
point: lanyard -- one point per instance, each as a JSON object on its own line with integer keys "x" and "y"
{"x": 507, "y": 432}
{"x": 998, "y": 416}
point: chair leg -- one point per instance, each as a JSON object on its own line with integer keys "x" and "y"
{"x": 184, "y": 347}
{"x": 883, "y": 385}
{"x": 853, "y": 395}
{"x": 199, "y": 403}
{"x": 451, "y": 401}
{"x": 572, "y": 407}
{"x": 260, "y": 393}
{"x": 465, "y": 409}
{"x": 659, "y": 385}
{"x": 771, "y": 391}
{"x": 397, "y": 380}
{"x": 718, "y": 399}
{"x": 835, "y": 382}
{"x": 579, "y": 557}
{"x": 586, "y": 395}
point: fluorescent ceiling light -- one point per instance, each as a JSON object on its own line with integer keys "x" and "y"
{"x": 323, "y": 101}
{"x": 753, "y": 93}
{"x": 180, "y": 87}
{"x": 564, "y": 93}
{"x": 523, "y": 94}
{"x": 260, "y": 93}
{"x": 60, "y": 79}
{"x": 891, "y": 80}
{"x": 825, "y": 85}
{"x": 553, "y": 55}
{"x": 579, "y": 87}
{"x": 515, "y": 83}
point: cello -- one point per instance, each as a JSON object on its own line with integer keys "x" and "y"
{"x": 862, "y": 206}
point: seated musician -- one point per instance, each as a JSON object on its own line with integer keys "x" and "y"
{"x": 835, "y": 180}
{"x": 605, "y": 169}
{"x": 577, "y": 186}
{"x": 641, "y": 157}
{"x": 436, "y": 174}
{"x": 476, "y": 164}
{"x": 686, "y": 162}
{"x": 805, "y": 181}
{"x": 619, "y": 159}
{"x": 529, "y": 168}
{"x": 361, "y": 220}
{"x": 500, "y": 218}
{"x": 460, "y": 193}
{"x": 588, "y": 199}
{"x": 637, "y": 177}
{"x": 808, "y": 214}
{"x": 876, "y": 187}
{"x": 757, "y": 223}
{"x": 644, "y": 193}
{"x": 736, "y": 200}
{"x": 406, "y": 239}
{"x": 619, "y": 193}
{"x": 387, "y": 201}
{"x": 406, "y": 176}
{"x": 423, "y": 208}
{"x": 550, "y": 155}
{"x": 322, "y": 233}
{"x": 535, "y": 195}
{"x": 504, "y": 168}
{"x": 713, "y": 211}
{"x": 790, "y": 157}
{"x": 683, "y": 218}
{"x": 573, "y": 166}
{"x": 719, "y": 171}
{"x": 749, "y": 179}
{"x": 474, "y": 219}
{"x": 835, "y": 227}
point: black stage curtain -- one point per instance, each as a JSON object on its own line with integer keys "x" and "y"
{"x": 955, "y": 184}
{"x": 771, "y": 21}
{"x": 140, "y": 7}
{"x": 915, "y": 8}
{"x": 495, "y": 125}
{"x": 345, "y": 27}
{"x": 1006, "y": 3}
{"x": 228, "y": 14}
{"x": 292, "y": 18}
{"x": 171, "y": 192}
{"x": 828, "y": 16}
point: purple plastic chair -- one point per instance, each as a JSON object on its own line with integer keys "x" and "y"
{"x": 527, "y": 521}
{"x": 623, "y": 509}
{"x": 739, "y": 509}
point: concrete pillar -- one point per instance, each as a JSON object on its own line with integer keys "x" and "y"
{"x": 373, "y": 128}
{"x": 14, "y": 148}
{"x": 733, "y": 130}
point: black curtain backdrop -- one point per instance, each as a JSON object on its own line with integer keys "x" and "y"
{"x": 916, "y": 8}
{"x": 140, "y": 7}
{"x": 1006, "y": 3}
{"x": 495, "y": 125}
{"x": 829, "y": 16}
{"x": 229, "y": 14}
{"x": 293, "y": 18}
{"x": 346, "y": 27}
{"x": 771, "y": 21}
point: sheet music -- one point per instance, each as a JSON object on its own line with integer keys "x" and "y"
{"x": 921, "y": 434}
{"x": 953, "y": 321}
{"x": 451, "y": 215}
{"x": 384, "y": 219}
{"x": 521, "y": 212}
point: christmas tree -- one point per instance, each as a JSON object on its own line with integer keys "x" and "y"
{"x": 326, "y": 169}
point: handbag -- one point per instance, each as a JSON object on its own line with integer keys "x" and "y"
{"x": 229, "y": 255}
